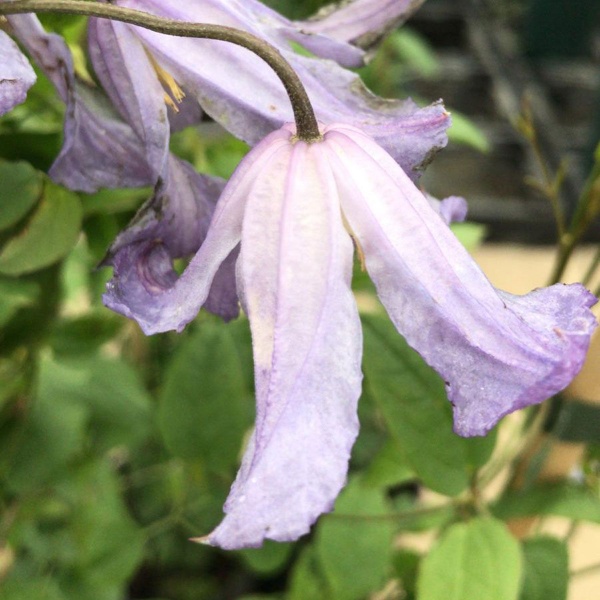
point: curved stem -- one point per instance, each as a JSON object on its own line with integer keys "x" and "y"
{"x": 307, "y": 128}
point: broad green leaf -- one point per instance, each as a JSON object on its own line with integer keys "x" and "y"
{"x": 269, "y": 558}
{"x": 109, "y": 543}
{"x": 546, "y": 562}
{"x": 20, "y": 189}
{"x": 562, "y": 500}
{"x": 479, "y": 449}
{"x": 388, "y": 468}
{"x": 119, "y": 405}
{"x": 478, "y": 559}
{"x": 54, "y": 428}
{"x": 15, "y": 294}
{"x": 354, "y": 549}
{"x": 464, "y": 131}
{"x": 48, "y": 236}
{"x": 306, "y": 581}
{"x": 413, "y": 403}
{"x": 205, "y": 406}
{"x": 38, "y": 588}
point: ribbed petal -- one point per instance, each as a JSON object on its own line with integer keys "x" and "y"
{"x": 16, "y": 75}
{"x": 99, "y": 149}
{"x": 128, "y": 77}
{"x": 362, "y": 22}
{"x": 145, "y": 287}
{"x": 240, "y": 91}
{"x": 295, "y": 268}
{"x": 496, "y": 352}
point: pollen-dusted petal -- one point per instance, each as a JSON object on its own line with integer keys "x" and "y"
{"x": 496, "y": 352}
{"x": 295, "y": 267}
{"x": 16, "y": 75}
{"x": 145, "y": 287}
{"x": 362, "y": 22}
{"x": 99, "y": 149}
{"x": 242, "y": 93}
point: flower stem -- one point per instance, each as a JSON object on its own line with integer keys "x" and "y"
{"x": 307, "y": 128}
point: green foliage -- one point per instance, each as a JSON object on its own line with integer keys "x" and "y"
{"x": 205, "y": 405}
{"x": 546, "y": 563}
{"x": 479, "y": 559}
{"x": 115, "y": 449}
{"x": 49, "y": 234}
{"x": 413, "y": 404}
{"x": 564, "y": 500}
{"x": 354, "y": 544}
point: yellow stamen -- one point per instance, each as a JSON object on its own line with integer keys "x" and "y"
{"x": 173, "y": 93}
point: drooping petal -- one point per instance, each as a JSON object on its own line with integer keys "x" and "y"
{"x": 172, "y": 224}
{"x": 16, "y": 75}
{"x": 99, "y": 149}
{"x": 295, "y": 268}
{"x": 362, "y": 22}
{"x": 496, "y": 352}
{"x": 131, "y": 82}
{"x": 145, "y": 287}
{"x": 240, "y": 91}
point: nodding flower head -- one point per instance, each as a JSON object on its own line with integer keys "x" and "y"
{"x": 296, "y": 211}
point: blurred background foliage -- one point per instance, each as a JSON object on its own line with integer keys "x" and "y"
{"x": 116, "y": 448}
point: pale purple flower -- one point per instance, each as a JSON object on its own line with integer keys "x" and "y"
{"x": 16, "y": 75}
{"x": 362, "y": 22}
{"x": 295, "y": 209}
{"x": 141, "y": 70}
{"x": 100, "y": 149}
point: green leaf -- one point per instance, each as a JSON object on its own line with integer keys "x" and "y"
{"x": 546, "y": 562}
{"x": 306, "y": 581}
{"x": 354, "y": 549}
{"x": 84, "y": 334}
{"x": 49, "y": 235}
{"x": 562, "y": 500}
{"x": 40, "y": 588}
{"x": 269, "y": 558}
{"x": 470, "y": 235}
{"x": 464, "y": 131}
{"x": 109, "y": 543}
{"x": 413, "y": 403}
{"x": 53, "y": 431}
{"x": 205, "y": 406}
{"x": 14, "y": 295}
{"x": 119, "y": 405}
{"x": 20, "y": 189}
{"x": 479, "y": 559}
{"x": 388, "y": 468}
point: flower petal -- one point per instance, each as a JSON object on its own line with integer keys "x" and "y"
{"x": 241, "y": 92}
{"x": 172, "y": 224}
{"x": 16, "y": 75}
{"x": 362, "y": 22}
{"x": 99, "y": 149}
{"x": 131, "y": 82}
{"x": 295, "y": 268}
{"x": 145, "y": 287}
{"x": 496, "y": 352}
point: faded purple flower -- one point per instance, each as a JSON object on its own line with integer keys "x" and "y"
{"x": 362, "y": 22}
{"x": 16, "y": 75}
{"x": 142, "y": 70}
{"x": 295, "y": 209}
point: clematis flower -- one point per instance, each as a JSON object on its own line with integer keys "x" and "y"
{"x": 143, "y": 71}
{"x": 297, "y": 210}
{"x": 16, "y": 75}
{"x": 362, "y": 22}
